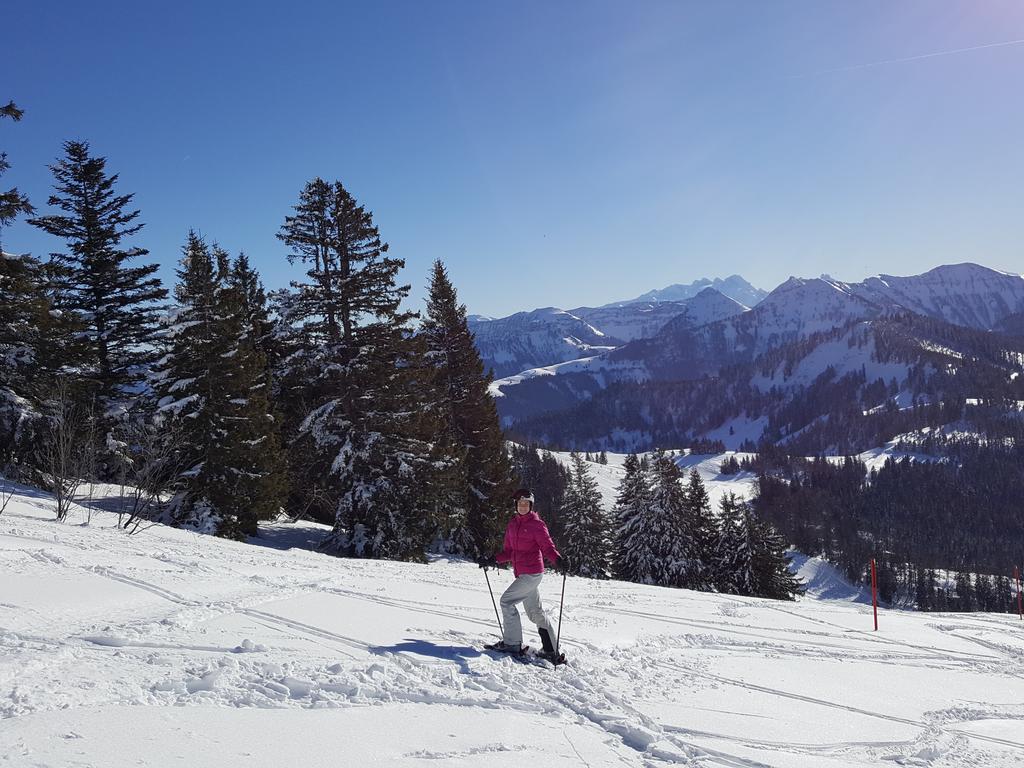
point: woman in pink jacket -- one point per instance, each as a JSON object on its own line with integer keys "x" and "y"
{"x": 527, "y": 543}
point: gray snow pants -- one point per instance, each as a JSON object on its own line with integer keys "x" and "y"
{"x": 523, "y": 590}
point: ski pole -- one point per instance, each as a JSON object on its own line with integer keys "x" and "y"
{"x": 558, "y": 637}
{"x": 496, "y": 615}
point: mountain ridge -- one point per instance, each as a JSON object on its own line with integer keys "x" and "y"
{"x": 797, "y": 312}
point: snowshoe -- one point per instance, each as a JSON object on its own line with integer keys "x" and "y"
{"x": 527, "y": 655}
{"x": 512, "y": 650}
{"x": 555, "y": 658}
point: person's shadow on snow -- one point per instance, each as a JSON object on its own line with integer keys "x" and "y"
{"x": 460, "y": 654}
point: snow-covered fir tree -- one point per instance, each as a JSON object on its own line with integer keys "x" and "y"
{"x": 773, "y": 577}
{"x": 482, "y": 477}
{"x": 632, "y": 558}
{"x": 734, "y": 549}
{"x": 22, "y": 305}
{"x": 245, "y": 471}
{"x": 965, "y": 594}
{"x": 96, "y": 278}
{"x": 35, "y": 340}
{"x": 353, "y": 383}
{"x": 752, "y": 555}
{"x": 255, "y": 308}
{"x": 213, "y": 399}
{"x": 659, "y": 552}
{"x": 700, "y": 527}
{"x": 182, "y": 378}
{"x": 585, "y": 544}
{"x": 678, "y": 555}
{"x": 984, "y": 592}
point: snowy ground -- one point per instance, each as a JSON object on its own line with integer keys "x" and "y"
{"x": 168, "y": 648}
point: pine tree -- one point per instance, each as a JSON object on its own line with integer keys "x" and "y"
{"x": 213, "y": 397}
{"x": 35, "y": 341}
{"x": 922, "y": 594}
{"x": 930, "y": 591}
{"x": 887, "y": 582}
{"x": 755, "y": 554}
{"x": 701, "y": 527}
{"x": 771, "y": 565}
{"x": 659, "y": 549}
{"x": 733, "y": 549}
{"x": 353, "y": 384}
{"x": 678, "y": 554}
{"x": 730, "y": 466}
{"x": 984, "y": 592}
{"x": 964, "y": 592}
{"x": 23, "y": 308}
{"x": 12, "y": 202}
{"x": 747, "y": 576}
{"x": 631, "y": 559}
{"x": 482, "y": 477}
{"x": 255, "y": 308}
{"x": 585, "y": 538}
{"x": 118, "y": 302}
{"x": 244, "y": 473}
{"x": 183, "y": 379}
{"x": 1005, "y": 598}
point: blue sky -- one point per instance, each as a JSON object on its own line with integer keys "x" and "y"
{"x": 550, "y": 153}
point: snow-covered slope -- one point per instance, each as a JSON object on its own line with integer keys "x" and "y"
{"x": 798, "y": 308}
{"x": 531, "y": 339}
{"x": 545, "y": 337}
{"x": 168, "y": 648}
{"x": 850, "y": 352}
{"x": 963, "y": 294}
{"x": 632, "y": 321}
{"x": 556, "y": 383}
{"x": 708, "y": 306}
{"x": 718, "y": 332}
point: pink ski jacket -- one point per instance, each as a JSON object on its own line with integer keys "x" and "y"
{"x": 527, "y": 543}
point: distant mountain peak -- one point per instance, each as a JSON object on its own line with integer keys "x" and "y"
{"x": 712, "y": 297}
{"x": 734, "y": 286}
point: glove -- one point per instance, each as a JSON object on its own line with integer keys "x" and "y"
{"x": 487, "y": 561}
{"x": 563, "y": 566}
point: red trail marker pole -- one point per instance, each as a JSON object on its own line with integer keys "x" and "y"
{"x": 874, "y": 592}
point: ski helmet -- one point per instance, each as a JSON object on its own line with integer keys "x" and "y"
{"x": 523, "y": 493}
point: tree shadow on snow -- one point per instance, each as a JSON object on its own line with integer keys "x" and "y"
{"x": 285, "y": 537}
{"x": 460, "y": 654}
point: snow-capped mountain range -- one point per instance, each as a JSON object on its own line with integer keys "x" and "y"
{"x": 550, "y": 335}
{"x": 805, "y": 314}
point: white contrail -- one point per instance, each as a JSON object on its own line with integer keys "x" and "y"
{"x": 919, "y": 57}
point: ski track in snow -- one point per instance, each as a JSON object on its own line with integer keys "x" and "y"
{"x": 238, "y": 647}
